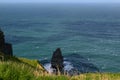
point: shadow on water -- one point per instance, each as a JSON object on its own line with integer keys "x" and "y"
{"x": 81, "y": 64}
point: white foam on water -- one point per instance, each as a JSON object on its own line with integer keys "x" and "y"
{"x": 48, "y": 67}
{"x": 67, "y": 67}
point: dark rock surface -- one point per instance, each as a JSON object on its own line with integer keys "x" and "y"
{"x": 6, "y": 48}
{"x": 57, "y": 61}
{"x": 2, "y": 41}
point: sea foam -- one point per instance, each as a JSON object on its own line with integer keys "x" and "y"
{"x": 67, "y": 66}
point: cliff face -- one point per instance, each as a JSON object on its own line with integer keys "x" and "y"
{"x": 5, "y": 48}
{"x": 2, "y": 41}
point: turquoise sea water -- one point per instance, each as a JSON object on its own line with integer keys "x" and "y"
{"x": 88, "y": 30}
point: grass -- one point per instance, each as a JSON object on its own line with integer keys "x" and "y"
{"x": 19, "y": 71}
{"x": 15, "y": 68}
{"x": 33, "y": 63}
{"x": 15, "y": 71}
{"x": 97, "y": 76}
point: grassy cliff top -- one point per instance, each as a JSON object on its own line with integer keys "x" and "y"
{"x": 29, "y": 62}
{"x": 26, "y": 69}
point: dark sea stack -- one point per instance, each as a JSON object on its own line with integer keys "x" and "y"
{"x": 5, "y": 48}
{"x": 57, "y": 61}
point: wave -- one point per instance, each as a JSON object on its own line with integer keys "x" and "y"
{"x": 67, "y": 67}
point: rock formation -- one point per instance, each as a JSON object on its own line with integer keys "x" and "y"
{"x": 2, "y": 41}
{"x": 57, "y": 61}
{"x": 5, "y": 48}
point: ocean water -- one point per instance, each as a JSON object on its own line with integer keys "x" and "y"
{"x": 85, "y": 32}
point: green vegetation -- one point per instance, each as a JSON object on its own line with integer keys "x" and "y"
{"x": 34, "y": 63}
{"x": 97, "y": 76}
{"x": 14, "y": 68}
{"x": 15, "y": 71}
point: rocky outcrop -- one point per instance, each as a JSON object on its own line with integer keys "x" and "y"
{"x": 57, "y": 61}
{"x": 2, "y": 41}
{"x": 5, "y": 48}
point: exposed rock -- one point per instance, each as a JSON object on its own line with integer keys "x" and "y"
{"x": 2, "y": 41}
{"x": 8, "y": 49}
{"x": 57, "y": 61}
{"x": 5, "y": 48}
